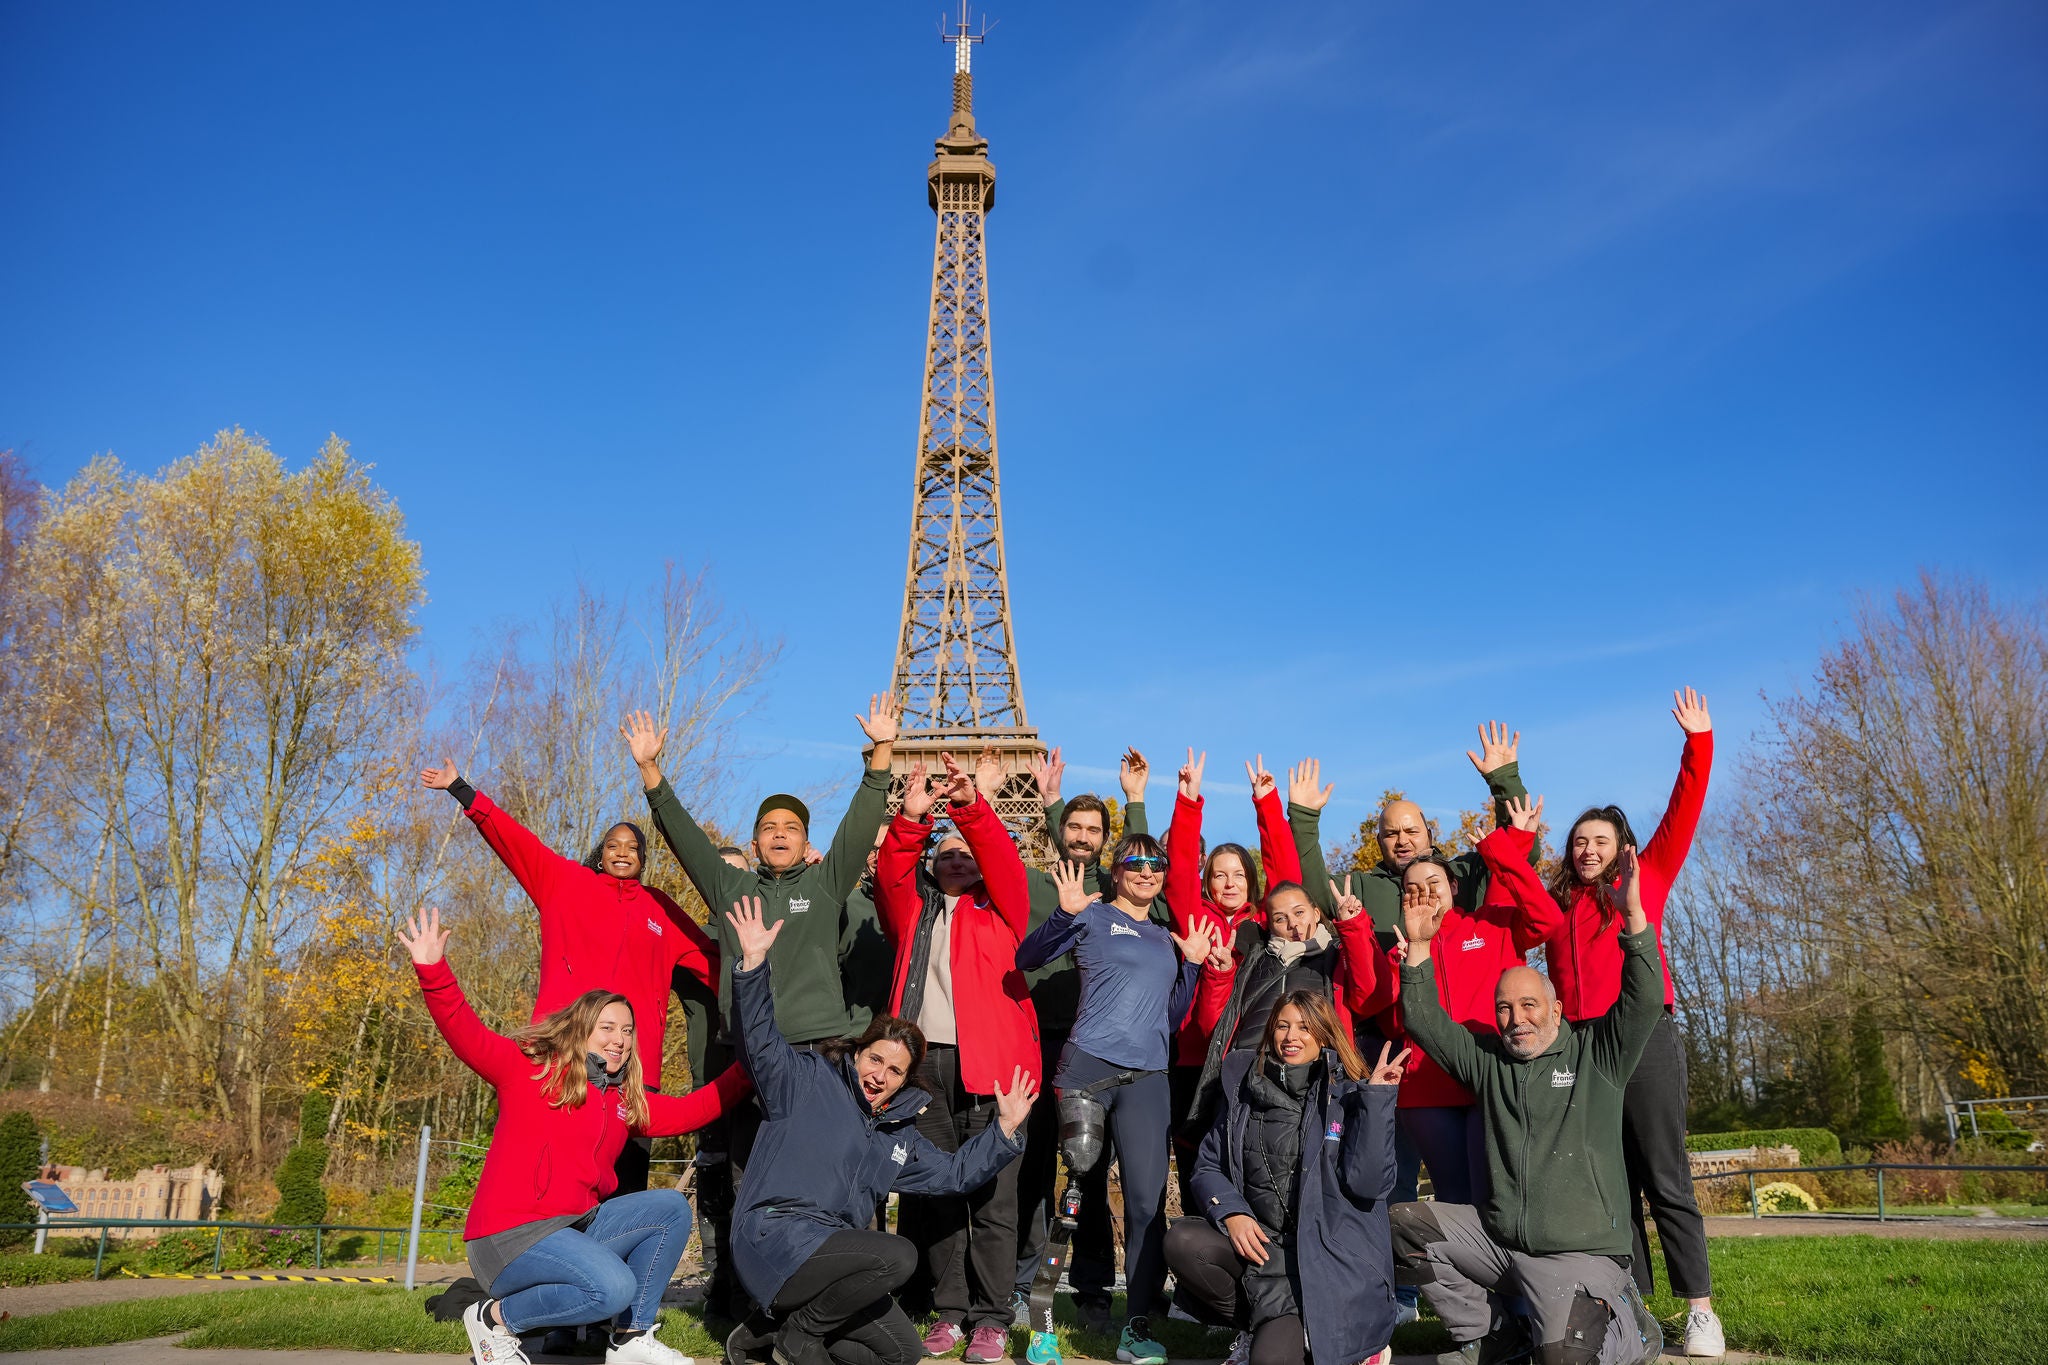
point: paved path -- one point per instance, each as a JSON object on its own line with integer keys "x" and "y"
{"x": 47, "y": 1298}
{"x": 164, "y": 1352}
{"x": 1940, "y": 1229}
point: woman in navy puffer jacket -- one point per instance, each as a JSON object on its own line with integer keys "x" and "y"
{"x": 1292, "y": 1182}
{"x": 841, "y": 1133}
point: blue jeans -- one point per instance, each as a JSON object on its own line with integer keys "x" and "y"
{"x": 617, "y": 1270}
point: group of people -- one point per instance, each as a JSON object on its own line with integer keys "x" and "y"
{"x": 880, "y": 1018}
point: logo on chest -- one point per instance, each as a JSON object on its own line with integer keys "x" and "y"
{"x": 1473, "y": 942}
{"x": 1124, "y": 930}
{"x": 1335, "y": 1132}
{"x": 655, "y": 925}
{"x": 799, "y": 904}
{"x": 621, "y": 1111}
{"x": 1561, "y": 1080}
{"x": 901, "y": 1154}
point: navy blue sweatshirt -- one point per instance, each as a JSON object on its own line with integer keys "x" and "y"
{"x": 824, "y": 1159}
{"x": 1135, "y": 990}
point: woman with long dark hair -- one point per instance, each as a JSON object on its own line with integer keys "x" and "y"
{"x": 840, "y": 1134}
{"x": 544, "y": 1240}
{"x": 1137, "y": 979}
{"x": 1291, "y": 1245}
{"x": 1585, "y": 961}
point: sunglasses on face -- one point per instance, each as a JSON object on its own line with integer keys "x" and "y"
{"x": 1144, "y": 862}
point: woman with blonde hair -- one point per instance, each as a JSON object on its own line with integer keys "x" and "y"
{"x": 548, "y": 1247}
{"x": 1293, "y": 1181}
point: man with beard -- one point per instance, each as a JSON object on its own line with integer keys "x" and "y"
{"x": 1554, "y": 1232}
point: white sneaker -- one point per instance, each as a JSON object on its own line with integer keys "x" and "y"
{"x": 643, "y": 1349}
{"x": 1703, "y": 1334}
{"x": 490, "y": 1344}
{"x": 1240, "y": 1350}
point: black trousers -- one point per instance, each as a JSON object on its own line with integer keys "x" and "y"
{"x": 968, "y": 1242}
{"x": 1092, "y": 1268}
{"x": 1181, "y": 1084}
{"x": 1653, "y": 1146}
{"x": 1208, "y": 1281}
{"x": 841, "y": 1296}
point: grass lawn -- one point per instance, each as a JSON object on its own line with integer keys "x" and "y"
{"x": 1827, "y": 1300}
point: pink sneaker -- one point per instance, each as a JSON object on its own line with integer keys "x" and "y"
{"x": 943, "y": 1338}
{"x": 988, "y": 1344}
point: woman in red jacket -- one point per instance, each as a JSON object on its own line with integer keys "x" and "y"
{"x": 1585, "y": 965}
{"x": 547, "y": 1245}
{"x": 1224, "y": 886}
{"x": 955, "y": 920}
{"x": 601, "y": 928}
{"x": 1473, "y": 948}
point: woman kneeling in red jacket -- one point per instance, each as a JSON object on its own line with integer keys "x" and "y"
{"x": 955, "y": 924}
{"x": 569, "y": 1094}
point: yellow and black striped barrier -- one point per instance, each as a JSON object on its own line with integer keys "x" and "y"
{"x": 292, "y": 1279}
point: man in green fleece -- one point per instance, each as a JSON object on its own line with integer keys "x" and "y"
{"x": 810, "y": 1001}
{"x": 1403, "y": 834}
{"x": 1556, "y": 1230}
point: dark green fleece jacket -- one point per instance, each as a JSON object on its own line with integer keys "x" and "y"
{"x": 1553, "y": 1123}
{"x": 810, "y": 1002}
{"x": 1380, "y": 888}
{"x": 1056, "y": 987}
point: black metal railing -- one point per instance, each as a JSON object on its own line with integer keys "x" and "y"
{"x": 1877, "y": 1168}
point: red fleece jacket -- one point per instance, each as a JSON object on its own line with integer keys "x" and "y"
{"x": 1584, "y": 953}
{"x": 1187, "y": 895}
{"x": 547, "y": 1161}
{"x": 599, "y": 932}
{"x": 1471, "y": 949}
{"x": 996, "y": 1025}
{"x": 1362, "y": 988}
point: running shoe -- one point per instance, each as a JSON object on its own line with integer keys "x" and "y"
{"x": 1136, "y": 1347}
{"x": 943, "y": 1338}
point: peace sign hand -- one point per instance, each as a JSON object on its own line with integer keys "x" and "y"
{"x": 1385, "y": 1072}
{"x": 1191, "y": 775}
{"x": 1261, "y": 780}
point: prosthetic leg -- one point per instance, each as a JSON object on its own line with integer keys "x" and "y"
{"x": 1082, "y": 1135}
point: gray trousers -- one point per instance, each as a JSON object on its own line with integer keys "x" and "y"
{"x": 1583, "y": 1309}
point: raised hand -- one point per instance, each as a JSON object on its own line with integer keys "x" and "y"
{"x": 813, "y": 855}
{"x": 644, "y": 742}
{"x": 1200, "y": 941}
{"x": 917, "y": 794}
{"x": 1013, "y": 1106}
{"x": 1247, "y": 1237}
{"x": 1496, "y": 749}
{"x": 1418, "y": 916}
{"x": 1389, "y": 1072}
{"x": 1261, "y": 780}
{"x": 959, "y": 787}
{"x": 1305, "y": 785}
{"x": 1689, "y": 709}
{"x": 1131, "y": 774}
{"x": 1072, "y": 881}
{"x": 988, "y": 773}
{"x": 424, "y": 937}
{"x": 1191, "y": 775}
{"x": 1632, "y": 891}
{"x": 753, "y": 938}
{"x": 1047, "y": 772}
{"x": 1525, "y": 816}
{"x": 439, "y": 779}
{"x": 1347, "y": 904}
{"x": 879, "y": 724}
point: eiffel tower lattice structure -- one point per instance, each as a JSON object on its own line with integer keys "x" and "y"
{"x": 956, "y": 675}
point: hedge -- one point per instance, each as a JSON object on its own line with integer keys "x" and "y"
{"x": 1817, "y": 1146}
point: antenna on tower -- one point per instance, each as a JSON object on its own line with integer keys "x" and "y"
{"x": 962, "y": 38}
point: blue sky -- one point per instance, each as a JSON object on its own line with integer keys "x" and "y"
{"x": 1364, "y": 370}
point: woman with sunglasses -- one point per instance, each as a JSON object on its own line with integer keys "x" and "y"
{"x": 1137, "y": 980}
{"x": 1585, "y": 964}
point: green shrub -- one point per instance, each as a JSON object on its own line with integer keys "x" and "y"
{"x": 21, "y": 1158}
{"x": 19, "y": 1270}
{"x": 175, "y": 1252}
{"x": 300, "y": 1199}
{"x": 273, "y": 1249}
{"x": 1817, "y": 1146}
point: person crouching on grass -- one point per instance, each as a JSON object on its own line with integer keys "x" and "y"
{"x": 549, "y": 1248}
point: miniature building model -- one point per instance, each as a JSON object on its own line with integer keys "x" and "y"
{"x": 190, "y": 1193}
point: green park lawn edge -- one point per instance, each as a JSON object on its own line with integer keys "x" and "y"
{"x": 1849, "y": 1300}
